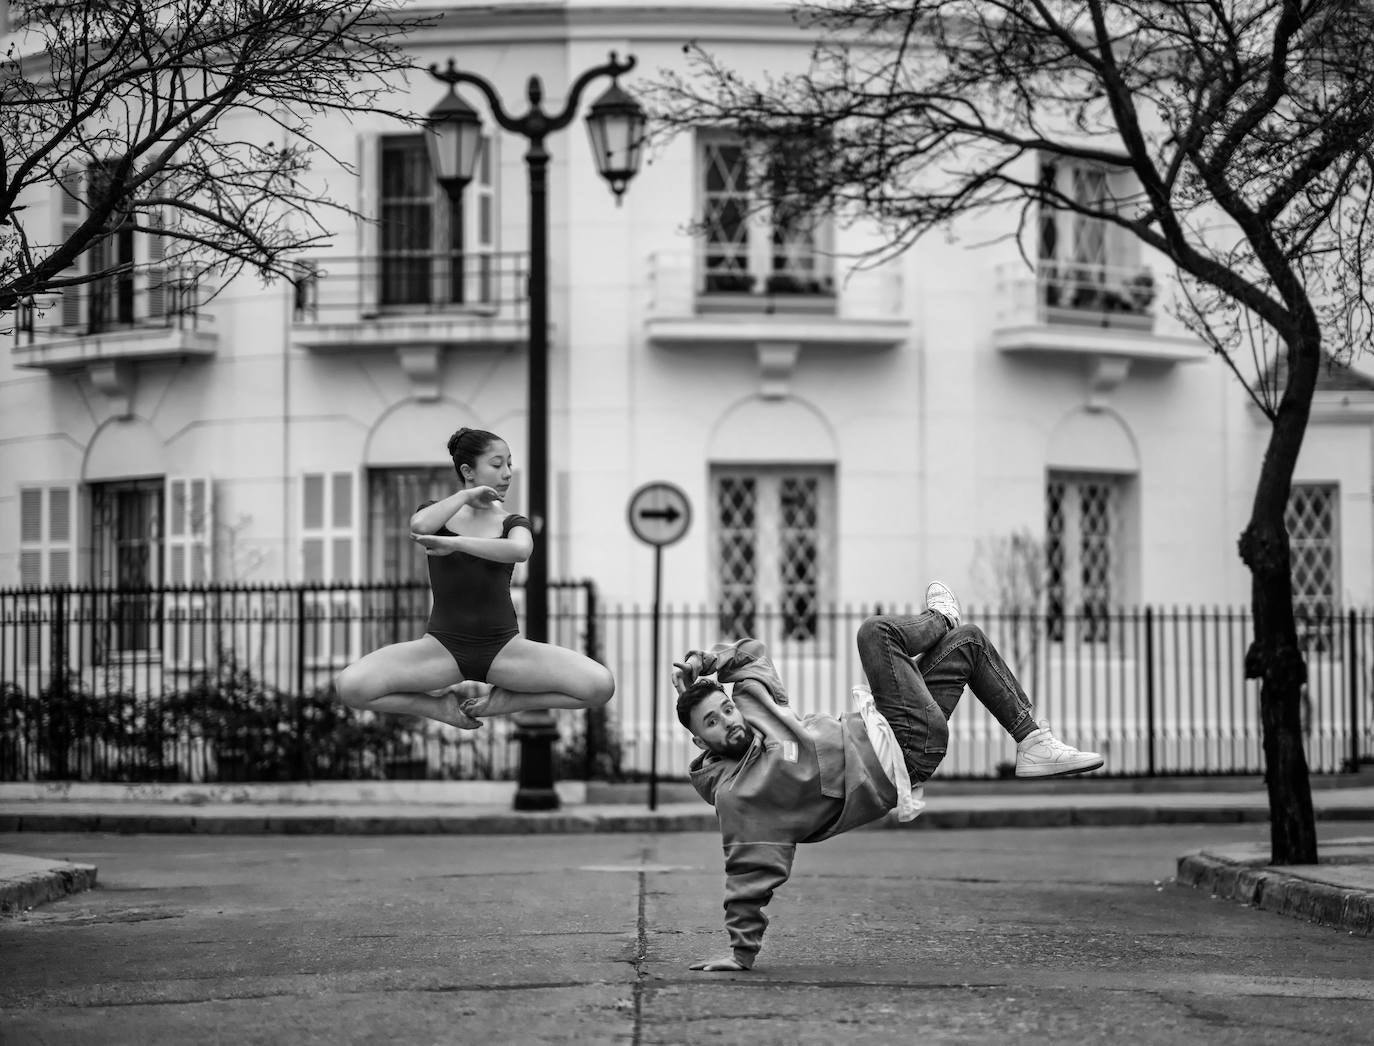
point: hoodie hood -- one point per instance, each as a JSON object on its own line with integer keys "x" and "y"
{"x": 708, "y": 769}
{"x": 706, "y": 772}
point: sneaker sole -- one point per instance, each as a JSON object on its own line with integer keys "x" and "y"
{"x": 1049, "y": 770}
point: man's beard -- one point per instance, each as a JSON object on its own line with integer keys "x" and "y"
{"x": 735, "y": 745}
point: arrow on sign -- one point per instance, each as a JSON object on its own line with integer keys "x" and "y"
{"x": 670, "y": 513}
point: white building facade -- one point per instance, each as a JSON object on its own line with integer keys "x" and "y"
{"x": 844, "y": 433}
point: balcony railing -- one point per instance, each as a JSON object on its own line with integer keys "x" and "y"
{"x": 729, "y": 270}
{"x": 711, "y": 278}
{"x": 1070, "y": 293}
{"x": 146, "y": 301}
{"x": 336, "y": 289}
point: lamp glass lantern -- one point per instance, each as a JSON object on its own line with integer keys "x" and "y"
{"x": 615, "y": 124}
{"x": 455, "y": 142}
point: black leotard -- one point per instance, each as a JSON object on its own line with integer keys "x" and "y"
{"x": 473, "y": 615}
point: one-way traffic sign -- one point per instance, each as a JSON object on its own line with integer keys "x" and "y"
{"x": 659, "y": 513}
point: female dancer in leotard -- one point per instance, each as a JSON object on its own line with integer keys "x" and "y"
{"x": 473, "y": 545}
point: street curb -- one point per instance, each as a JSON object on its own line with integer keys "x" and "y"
{"x": 307, "y": 821}
{"x": 534, "y": 823}
{"x": 46, "y": 881}
{"x": 1263, "y": 886}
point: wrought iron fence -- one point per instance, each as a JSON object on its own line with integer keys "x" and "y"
{"x": 233, "y": 683}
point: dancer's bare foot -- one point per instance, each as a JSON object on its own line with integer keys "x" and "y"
{"x": 477, "y": 698}
{"x": 453, "y": 713}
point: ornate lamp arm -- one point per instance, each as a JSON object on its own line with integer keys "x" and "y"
{"x": 613, "y": 68}
{"x": 535, "y": 124}
{"x": 452, "y": 76}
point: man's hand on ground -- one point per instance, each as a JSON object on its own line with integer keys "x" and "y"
{"x": 726, "y": 965}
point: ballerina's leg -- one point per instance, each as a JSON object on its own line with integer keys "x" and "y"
{"x": 413, "y": 678}
{"x": 526, "y": 676}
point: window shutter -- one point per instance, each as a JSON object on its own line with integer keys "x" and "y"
{"x": 154, "y": 246}
{"x": 328, "y": 527}
{"x": 31, "y": 573}
{"x": 329, "y": 516}
{"x": 188, "y": 548}
{"x": 368, "y": 265}
{"x": 480, "y": 235}
{"x": 70, "y": 211}
{"x": 188, "y": 543}
{"x": 46, "y": 535}
{"x": 31, "y": 538}
{"x": 61, "y": 535}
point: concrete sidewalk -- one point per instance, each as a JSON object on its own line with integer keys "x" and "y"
{"x": 29, "y": 881}
{"x": 1338, "y": 892}
{"x": 1013, "y": 805}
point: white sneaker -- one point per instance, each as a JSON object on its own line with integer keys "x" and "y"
{"x": 941, "y": 599}
{"x": 1042, "y": 754}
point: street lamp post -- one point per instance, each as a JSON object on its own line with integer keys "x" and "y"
{"x": 615, "y": 125}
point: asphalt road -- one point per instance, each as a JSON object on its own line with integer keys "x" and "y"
{"x": 1006, "y": 936}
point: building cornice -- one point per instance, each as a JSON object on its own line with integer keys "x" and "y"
{"x": 461, "y": 23}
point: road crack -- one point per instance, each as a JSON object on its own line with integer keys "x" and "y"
{"x": 641, "y": 953}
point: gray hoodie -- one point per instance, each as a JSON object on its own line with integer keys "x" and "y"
{"x": 803, "y": 779}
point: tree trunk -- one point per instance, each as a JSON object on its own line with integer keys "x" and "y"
{"x": 1274, "y": 657}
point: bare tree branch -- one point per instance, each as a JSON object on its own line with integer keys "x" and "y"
{"x": 146, "y": 92}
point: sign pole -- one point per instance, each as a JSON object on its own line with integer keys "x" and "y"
{"x": 658, "y": 514}
{"x": 653, "y": 690}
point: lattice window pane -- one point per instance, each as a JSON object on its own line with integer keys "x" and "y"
{"x": 798, "y": 565}
{"x": 1054, "y": 558}
{"x": 1048, "y": 244}
{"x": 725, "y": 198}
{"x": 1083, "y": 537}
{"x": 773, "y": 538}
{"x": 1311, "y": 519}
{"x": 736, "y": 507}
{"x": 1096, "y": 529}
{"x": 1090, "y": 234}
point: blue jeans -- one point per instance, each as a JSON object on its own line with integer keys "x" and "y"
{"x": 918, "y": 697}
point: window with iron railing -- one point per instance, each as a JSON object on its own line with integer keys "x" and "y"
{"x": 432, "y": 251}
{"x": 128, "y": 283}
{"x": 750, "y": 247}
{"x": 1087, "y": 267}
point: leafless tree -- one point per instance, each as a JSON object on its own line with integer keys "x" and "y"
{"x": 1246, "y": 126}
{"x": 1011, "y": 567}
{"x": 189, "y": 121}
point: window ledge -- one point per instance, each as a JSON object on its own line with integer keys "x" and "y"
{"x": 746, "y": 332}
{"x": 488, "y": 327}
{"x": 60, "y": 351}
{"x": 1089, "y": 339}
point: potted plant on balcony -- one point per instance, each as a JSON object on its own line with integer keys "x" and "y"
{"x": 790, "y": 283}
{"x": 1140, "y": 291}
{"x": 729, "y": 281}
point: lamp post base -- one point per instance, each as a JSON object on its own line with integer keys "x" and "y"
{"x": 537, "y": 733}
